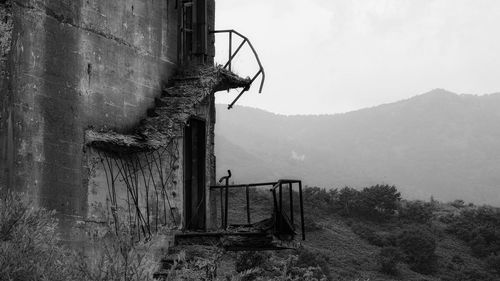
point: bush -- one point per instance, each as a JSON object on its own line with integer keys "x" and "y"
{"x": 118, "y": 257}
{"x": 379, "y": 201}
{"x": 375, "y": 202}
{"x": 29, "y": 243}
{"x": 388, "y": 260}
{"x": 418, "y": 247}
{"x": 6, "y": 26}
{"x": 479, "y": 227}
{"x": 493, "y": 263}
{"x": 416, "y": 211}
{"x": 318, "y": 199}
{"x": 348, "y": 201}
{"x": 249, "y": 260}
{"x": 311, "y": 225}
{"x": 310, "y": 258}
{"x": 367, "y": 233}
{"x": 31, "y": 249}
{"x": 306, "y": 264}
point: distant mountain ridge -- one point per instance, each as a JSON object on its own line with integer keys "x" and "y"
{"x": 438, "y": 143}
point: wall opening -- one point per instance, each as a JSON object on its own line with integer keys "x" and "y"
{"x": 193, "y": 32}
{"x": 194, "y": 174}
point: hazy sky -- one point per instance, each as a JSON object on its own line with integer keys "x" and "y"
{"x": 329, "y": 56}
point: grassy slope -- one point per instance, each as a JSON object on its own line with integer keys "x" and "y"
{"x": 353, "y": 258}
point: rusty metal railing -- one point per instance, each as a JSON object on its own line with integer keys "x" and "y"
{"x": 278, "y": 202}
{"x": 232, "y": 55}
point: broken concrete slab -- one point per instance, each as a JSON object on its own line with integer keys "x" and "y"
{"x": 173, "y": 108}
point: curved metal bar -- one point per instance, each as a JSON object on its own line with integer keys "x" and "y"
{"x": 245, "y": 40}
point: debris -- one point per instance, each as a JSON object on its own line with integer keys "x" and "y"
{"x": 173, "y": 108}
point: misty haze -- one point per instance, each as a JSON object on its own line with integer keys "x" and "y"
{"x": 438, "y": 144}
{"x": 233, "y": 140}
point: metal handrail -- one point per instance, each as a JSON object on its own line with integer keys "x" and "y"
{"x": 232, "y": 55}
{"x": 278, "y": 207}
{"x": 279, "y": 186}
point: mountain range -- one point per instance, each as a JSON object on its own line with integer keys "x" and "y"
{"x": 437, "y": 144}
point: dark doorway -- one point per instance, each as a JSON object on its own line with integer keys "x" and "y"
{"x": 194, "y": 174}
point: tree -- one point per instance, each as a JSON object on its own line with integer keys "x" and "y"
{"x": 416, "y": 211}
{"x": 348, "y": 199}
{"x": 380, "y": 200}
{"x": 419, "y": 247}
{"x": 388, "y": 259}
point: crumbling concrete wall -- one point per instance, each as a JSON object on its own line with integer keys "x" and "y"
{"x": 191, "y": 95}
{"x": 155, "y": 177}
{"x": 6, "y": 26}
{"x": 76, "y": 64}
{"x": 158, "y": 176}
{"x": 70, "y": 65}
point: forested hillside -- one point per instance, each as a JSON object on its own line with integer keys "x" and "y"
{"x": 436, "y": 144}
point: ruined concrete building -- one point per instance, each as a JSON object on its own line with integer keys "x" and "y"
{"x": 107, "y": 111}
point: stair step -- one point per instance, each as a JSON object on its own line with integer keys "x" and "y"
{"x": 228, "y": 240}
{"x": 207, "y": 239}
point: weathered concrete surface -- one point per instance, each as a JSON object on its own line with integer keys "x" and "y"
{"x": 190, "y": 95}
{"x": 77, "y": 64}
{"x": 166, "y": 120}
{"x": 6, "y": 26}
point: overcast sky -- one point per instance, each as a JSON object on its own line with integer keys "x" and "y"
{"x": 329, "y": 56}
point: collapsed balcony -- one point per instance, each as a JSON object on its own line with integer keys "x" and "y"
{"x": 140, "y": 166}
{"x": 172, "y": 110}
{"x": 136, "y": 157}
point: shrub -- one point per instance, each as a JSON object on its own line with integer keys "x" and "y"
{"x": 29, "y": 244}
{"x": 31, "y": 249}
{"x": 416, "y": 211}
{"x": 493, "y": 263}
{"x": 375, "y": 202}
{"x": 306, "y": 264}
{"x": 311, "y": 225}
{"x": 118, "y": 256}
{"x": 473, "y": 274}
{"x": 380, "y": 201}
{"x": 202, "y": 264}
{"x": 311, "y": 258}
{"x": 6, "y": 26}
{"x": 479, "y": 227}
{"x": 418, "y": 247}
{"x": 318, "y": 199}
{"x": 367, "y": 233}
{"x": 348, "y": 201}
{"x": 388, "y": 260}
{"x": 249, "y": 260}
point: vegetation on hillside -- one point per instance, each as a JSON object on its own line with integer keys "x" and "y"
{"x": 31, "y": 248}
{"x": 374, "y": 234}
{"x": 6, "y": 26}
{"x": 437, "y": 143}
{"x": 438, "y": 241}
{"x": 367, "y": 234}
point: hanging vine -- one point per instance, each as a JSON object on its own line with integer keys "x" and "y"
{"x": 147, "y": 176}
